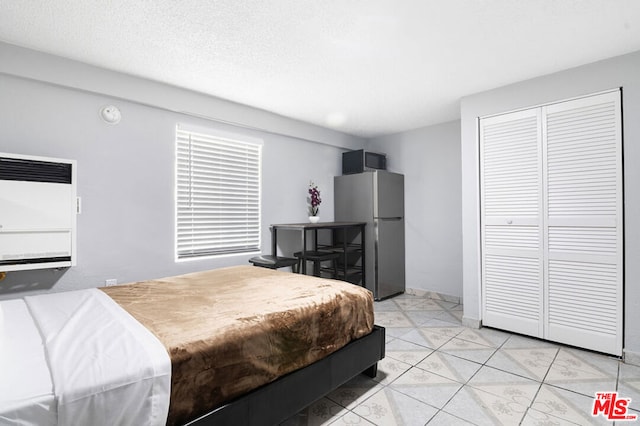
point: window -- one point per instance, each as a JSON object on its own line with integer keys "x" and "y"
{"x": 217, "y": 194}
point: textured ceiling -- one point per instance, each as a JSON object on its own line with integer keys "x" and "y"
{"x": 362, "y": 67}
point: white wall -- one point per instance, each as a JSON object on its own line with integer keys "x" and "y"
{"x": 429, "y": 158}
{"x": 622, "y": 71}
{"x": 126, "y": 171}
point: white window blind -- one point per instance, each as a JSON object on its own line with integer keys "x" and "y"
{"x": 218, "y": 195}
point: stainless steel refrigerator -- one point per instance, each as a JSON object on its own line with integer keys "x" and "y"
{"x": 377, "y": 198}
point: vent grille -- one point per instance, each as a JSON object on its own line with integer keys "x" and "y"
{"x": 34, "y": 170}
{"x": 38, "y": 260}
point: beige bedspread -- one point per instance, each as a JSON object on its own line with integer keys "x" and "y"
{"x": 234, "y": 329}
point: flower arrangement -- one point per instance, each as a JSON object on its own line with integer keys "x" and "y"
{"x": 313, "y": 199}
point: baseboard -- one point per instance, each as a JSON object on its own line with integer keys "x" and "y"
{"x": 434, "y": 295}
{"x": 631, "y": 357}
{"x": 471, "y": 322}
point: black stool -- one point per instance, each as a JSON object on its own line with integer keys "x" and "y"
{"x": 317, "y": 257}
{"x": 273, "y": 262}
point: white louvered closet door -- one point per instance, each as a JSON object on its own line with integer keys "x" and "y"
{"x": 583, "y": 245}
{"x": 511, "y": 151}
{"x": 551, "y": 221}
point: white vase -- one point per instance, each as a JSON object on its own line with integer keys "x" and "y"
{"x": 314, "y": 219}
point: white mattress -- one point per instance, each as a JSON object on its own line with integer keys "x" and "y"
{"x": 88, "y": 362}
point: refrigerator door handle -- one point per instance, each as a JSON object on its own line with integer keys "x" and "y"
{"x": 389, "y": 218}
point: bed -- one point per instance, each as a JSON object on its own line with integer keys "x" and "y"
{"x": 180, "y": 350}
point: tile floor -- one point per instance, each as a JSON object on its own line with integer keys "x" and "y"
{"x": 438, "y": 372}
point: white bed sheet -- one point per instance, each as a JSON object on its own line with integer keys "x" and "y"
{"x": 26, "y": 390}
{"x": 105, "y": 367}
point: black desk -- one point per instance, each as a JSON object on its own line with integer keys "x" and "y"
{"x": 344, "y": 247}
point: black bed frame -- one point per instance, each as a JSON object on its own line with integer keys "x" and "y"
{"x": 276, "y": 402}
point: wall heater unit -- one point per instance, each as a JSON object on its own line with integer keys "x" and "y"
{"x": 37, "y": 212}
